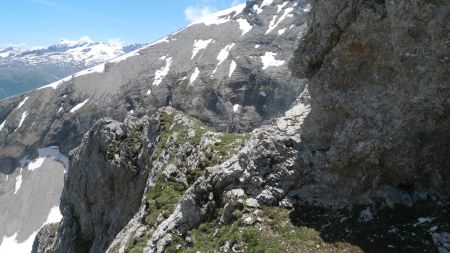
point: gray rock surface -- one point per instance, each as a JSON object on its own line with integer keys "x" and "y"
{"x": 253, "y": 78}
{"x": 45, "y": 241}
{"x": 105, "y": 184}
{"x": 379, "y": 85}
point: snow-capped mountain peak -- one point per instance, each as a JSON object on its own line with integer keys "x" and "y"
{"x": 82, "y": 40}
{"x": 83, "y": 52}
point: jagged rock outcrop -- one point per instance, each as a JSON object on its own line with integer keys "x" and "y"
{"x": 105, "y": 184}
{"x": 45, "y": 241}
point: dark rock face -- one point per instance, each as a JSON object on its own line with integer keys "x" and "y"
{"x": 380, "y": 92}
{"x": 105, "y": 184}
{"x": 45, "y": 241}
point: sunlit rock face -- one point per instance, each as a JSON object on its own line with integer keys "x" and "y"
{"x": 229, "y": 70}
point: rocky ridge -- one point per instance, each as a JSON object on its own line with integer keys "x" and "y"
{"x": 336, "y": 173}
{"x": 229, "y": 70}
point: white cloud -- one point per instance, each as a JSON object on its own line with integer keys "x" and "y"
{"x": 195, "y": 13}
{"x": 203, "y": 8}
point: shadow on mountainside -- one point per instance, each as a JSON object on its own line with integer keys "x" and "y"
{"x": 400, "y": 229}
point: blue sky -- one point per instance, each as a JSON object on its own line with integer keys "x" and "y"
{"x": 45, "y": 22}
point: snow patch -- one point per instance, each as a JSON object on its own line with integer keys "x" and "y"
{"x": 78, "y": 106}
{"x": 263, "y": 93}
{"x": 54, "y": 216}
{"x": 162, "y": 40}
{"x": 236, "y": 108}
{"x": 220, "y": 17}
{"x": 307, "y": 8}
{"x": 24, "y": 116}
{"x": 281, "y": 6}
{"x": 199, "y": 45}
{"x": 71, "y": 43}
{"x": 232, "y": 68}
{"x": 264, "y": 3}
{"x": 268, "y": 60}
{"x": 18, "y": 182}
{"x": 55, "y": 85}
{"x": 281, "y": 31}
{"x": 36, "y": 164}
{"x": 96, "y": 69}
{"x": 149, "y": 92}
{"x": 22, "y": 103}
{"x": 244, "y": 26}
{"x": 10, "y": 244}
{"x": 137, "y": 51}
{"x": 257, "y": 46}
{"x": 162, "y": 72}
{"x": 223, "y": 55}
{"x": 2, "y": 125}
{"x": 274, "y": 24}
{"x": 194, "y": 75}
{"x": 5, "y": 55}
{"x": 422, "y": 220}
{"x": 54, "y": 153}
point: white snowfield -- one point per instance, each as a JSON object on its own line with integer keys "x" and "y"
{"x": 10, "y": 244}
{"x": 268, "y": 60}
{"x": 274, "y": 24}
{"x": 162, "y": 72}
{"x": 223, "y": 55}
{"x": 194, "y": 76}
{"x": 78, "y": 106}
{"x": 136, "y": 52}
{"x": 22, "y": 103}
{"x": 220, "y": 17}
{"x": 22, "y": 119}
{"x": 232, "y": 68}
{"x": 281, "y": 31}
{"x": 2, "y": 125}
{"x": 44, "y": 153}
{"x": 18, "y": 182}
{"x": 199, "y": 45}
{"x": 259, "y": 9}
{"x": 236, "y": 108}
{"x": 26, "y": 176}
{"x": 82, "y": 51}
{"x": 244, "y": 26}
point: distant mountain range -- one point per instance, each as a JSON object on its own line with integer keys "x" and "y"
{"x": 23, "y": 69}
